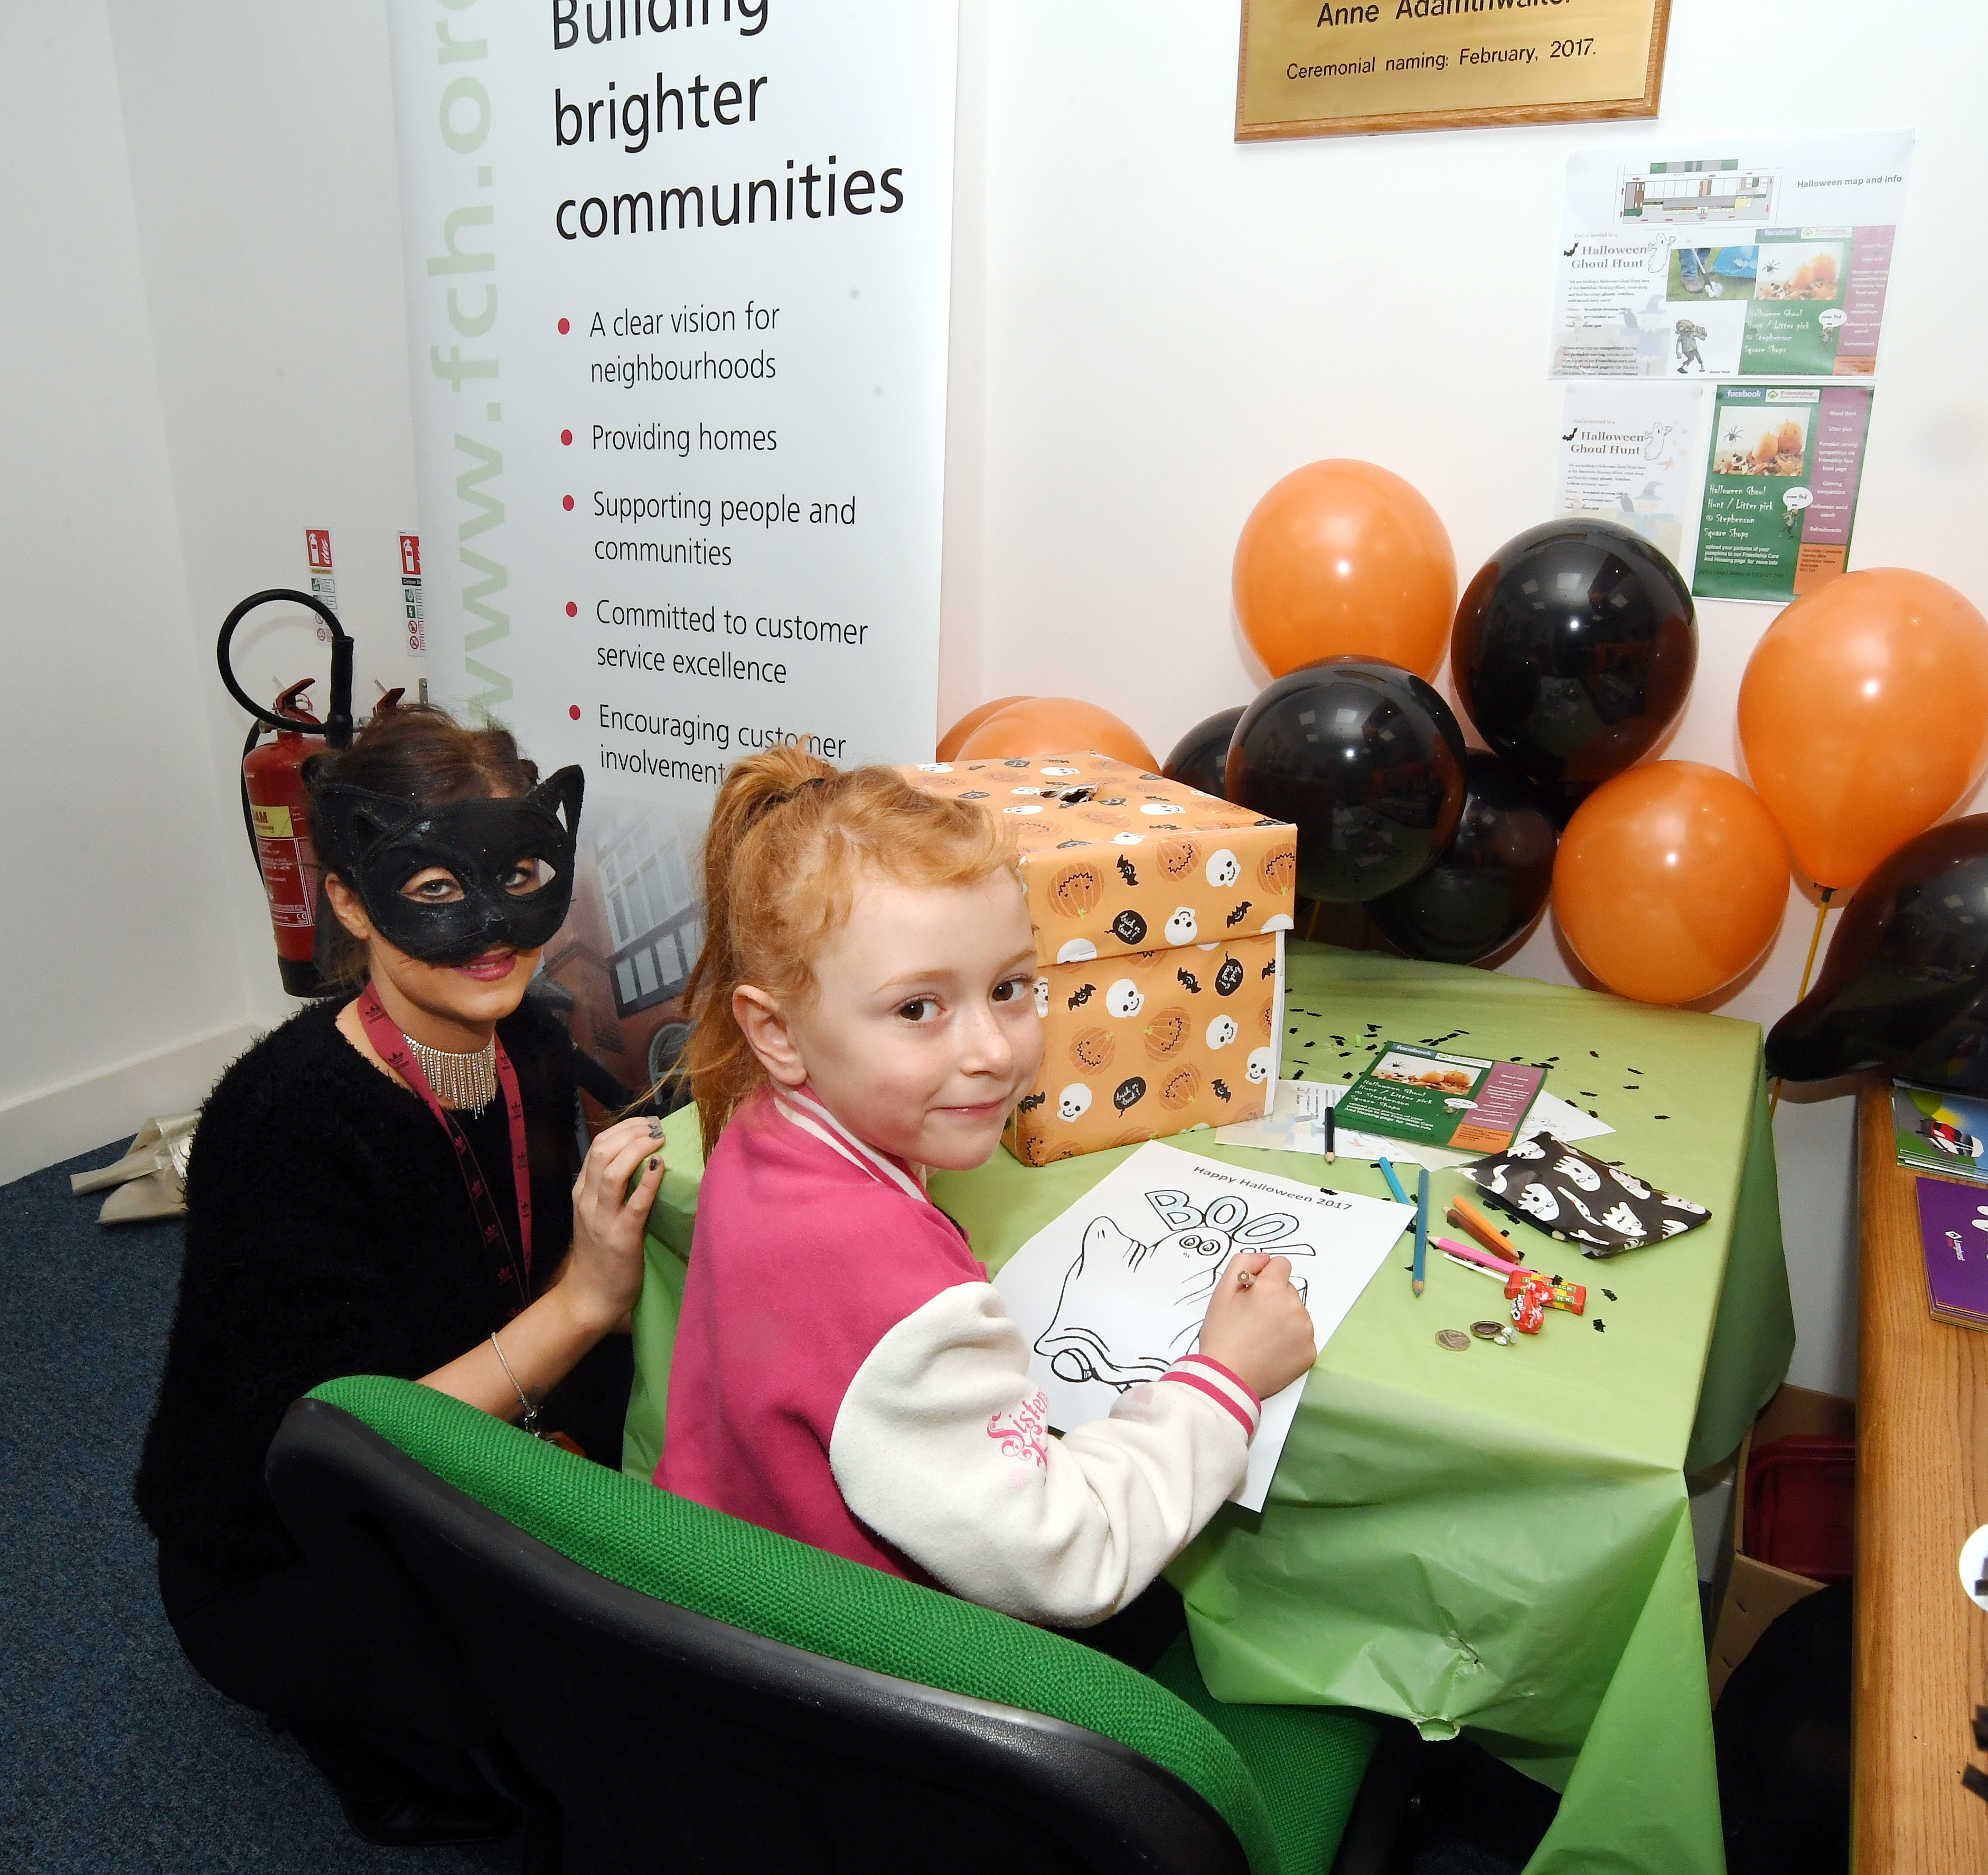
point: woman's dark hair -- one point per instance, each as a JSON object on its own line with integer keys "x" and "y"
{"x": 420, "y": 754}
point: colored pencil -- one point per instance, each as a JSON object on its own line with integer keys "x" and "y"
{"x": 1458, "y": 1252}
{"x": 1466, "y": 1216}
{"x": 1422, "y": 1225}
{"x": 1393, "y": 1183}
{"x": 1571, "y": 1296}
{"x": 1331, "y": 1139}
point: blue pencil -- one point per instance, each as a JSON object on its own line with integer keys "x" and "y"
{"x": 1422, "y": 1224}
{"x": 1393, "y": 1183}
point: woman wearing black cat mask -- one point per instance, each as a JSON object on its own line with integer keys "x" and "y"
{"x": 386, "y": 1185}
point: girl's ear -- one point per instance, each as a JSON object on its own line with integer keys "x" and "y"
{"x": 764, "y": 1027}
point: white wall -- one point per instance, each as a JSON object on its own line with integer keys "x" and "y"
{"x": 263, "y": 170}
{"x": 114, "y": 1002}
{"x": 1174, "y": 321}
{"x": 217, "y": 360}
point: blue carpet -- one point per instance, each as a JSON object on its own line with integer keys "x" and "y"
{"x": 114, "y": 1755}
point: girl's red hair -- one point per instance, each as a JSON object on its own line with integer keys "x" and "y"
{"x": 790, "y": 840}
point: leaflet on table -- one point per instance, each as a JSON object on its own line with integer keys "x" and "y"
{"x": 1630, "y": 452}
{"x": 1113, "y": 1292}
{"x": 1297, "y": 1124}
{"x": 1941, "y": 1131}
{"x": 1729, "y": 257}
{"x": 1781, "y": 489}
{"x": 1408, "y": 1091}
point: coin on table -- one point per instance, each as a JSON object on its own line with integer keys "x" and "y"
{"x": 1453, "y": 1338}
{"x": 1490, "y": 1331}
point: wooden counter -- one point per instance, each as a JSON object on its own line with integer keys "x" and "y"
{"x": 1922, "y": 1487}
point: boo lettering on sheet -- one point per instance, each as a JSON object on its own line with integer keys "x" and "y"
{"x": 1229, "y": 1214}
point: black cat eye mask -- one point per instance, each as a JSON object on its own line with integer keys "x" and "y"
{"x": 377, "y": 843}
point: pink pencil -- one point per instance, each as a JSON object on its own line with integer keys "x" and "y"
{"x": 1469, "y": 1253}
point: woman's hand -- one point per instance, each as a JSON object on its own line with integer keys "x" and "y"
{"x": 604, "y": 1274}
{"x": 595, "y": 1287}
{"x": 1260, "y": 1333}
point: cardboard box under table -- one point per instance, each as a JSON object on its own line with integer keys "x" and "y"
{"x": 1752, "y": 1594}
{"x": 1159, "y": 913}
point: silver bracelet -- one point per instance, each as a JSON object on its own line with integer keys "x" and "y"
{"x": 530, "y": 1420}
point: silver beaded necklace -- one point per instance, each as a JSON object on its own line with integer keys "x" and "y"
{"x": 460, "y": 1081}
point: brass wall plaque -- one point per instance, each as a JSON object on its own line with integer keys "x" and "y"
{"x": 1320, "y": 68}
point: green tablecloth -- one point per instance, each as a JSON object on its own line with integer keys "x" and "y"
{"x": 1498, "y": 1541}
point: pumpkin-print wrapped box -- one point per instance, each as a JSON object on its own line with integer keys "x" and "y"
{"x": 1136, "y": 1047}
{"x": 1159, "y": 914}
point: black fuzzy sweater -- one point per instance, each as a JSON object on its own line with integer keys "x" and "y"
{"x": 328, "y": 1233}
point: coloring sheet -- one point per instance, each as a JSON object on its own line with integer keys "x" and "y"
{"x": 1113, "y": 1292}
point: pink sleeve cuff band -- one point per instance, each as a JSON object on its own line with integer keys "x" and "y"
{"x": 1212, "y": 1378}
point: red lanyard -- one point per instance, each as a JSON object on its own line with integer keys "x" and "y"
{"x": 392, "y": 1048}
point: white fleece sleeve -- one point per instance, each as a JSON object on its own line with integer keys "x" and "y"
{"x": 942, "y": 1446}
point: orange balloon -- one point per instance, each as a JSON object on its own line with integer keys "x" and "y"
{"x": 1863, "y": 715}
{"x": 1671, "y": 881}
{"x": 948, "y": 744}
{"x": 1342, "y": 558}
{"x": 1054, "y": 726}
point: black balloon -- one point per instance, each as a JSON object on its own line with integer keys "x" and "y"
{"x": 1572, "y": 651}
{"x": 1489, "y": 883}
{"x": 1905, "y": 985}
{"x": 1365, "y": 759}
{"x": 1201, "y": 758}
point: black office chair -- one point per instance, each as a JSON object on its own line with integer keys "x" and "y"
{"x": 665, "y": 1688}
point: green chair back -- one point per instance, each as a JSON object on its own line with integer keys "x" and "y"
{"x": 1282, "y": 1779}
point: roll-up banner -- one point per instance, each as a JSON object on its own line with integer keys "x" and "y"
{"x": 677, "y": 283}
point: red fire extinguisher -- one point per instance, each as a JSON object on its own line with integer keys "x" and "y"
{"x": 273, "y": 799}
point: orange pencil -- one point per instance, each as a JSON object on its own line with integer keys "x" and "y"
{"x": 1466, "y": 1217}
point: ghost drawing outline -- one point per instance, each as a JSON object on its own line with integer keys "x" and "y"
{"x": 1152, "y": 1294}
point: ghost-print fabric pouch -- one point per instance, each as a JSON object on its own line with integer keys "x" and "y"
{"x": 1579, "y": 1200}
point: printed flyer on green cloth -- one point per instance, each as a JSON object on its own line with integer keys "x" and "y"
{"x": 1413, "y": 1093}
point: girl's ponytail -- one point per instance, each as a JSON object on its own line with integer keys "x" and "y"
{"x": 721, "y": 1069}
{"x": 789, "y": 839}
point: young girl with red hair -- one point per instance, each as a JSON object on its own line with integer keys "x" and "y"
{"x": 844, "y": 1373}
